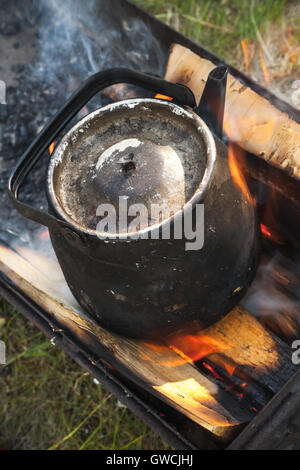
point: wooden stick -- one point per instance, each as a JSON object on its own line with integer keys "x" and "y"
{"x": 250, "y": 120}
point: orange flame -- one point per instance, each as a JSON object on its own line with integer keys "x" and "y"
{"x": 158, "y": 96}
{"x": 265, "y": 231}
{"x": 234, "y": 154}
{"x": 264, "y": 69}
{"x": 51, "y": 148}
{"x": 270, "y": 228}
{"x": 246, "y": 55}
{"x": 188, "y": 348}
{"x": 212, "y": 370}
{"x": 225, "y": 362}
{"x": 197, "y": 346}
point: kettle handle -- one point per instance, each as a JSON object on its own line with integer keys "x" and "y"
{"x": 97, "y": 82}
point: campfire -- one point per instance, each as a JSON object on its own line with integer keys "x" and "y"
{"x": 210, "y": 382}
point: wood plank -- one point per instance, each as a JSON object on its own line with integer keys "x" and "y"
{"x": 253, "y": 356}
{"x": 237, "y": 341}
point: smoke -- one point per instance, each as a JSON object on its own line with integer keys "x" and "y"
{"x": 70, "y": 40}
{"x": 80, "y": 38}
{"x": 261, "y": 298}
{"x": 274, "y": 296}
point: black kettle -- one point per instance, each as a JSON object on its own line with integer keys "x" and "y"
{"x": 148, "y": 280}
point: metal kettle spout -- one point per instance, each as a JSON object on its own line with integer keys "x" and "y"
{"x": 212, "y": 102}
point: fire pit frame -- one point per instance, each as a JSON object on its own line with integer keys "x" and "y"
{"x": 281, "y": 415}
{"x": 263, "y": 432}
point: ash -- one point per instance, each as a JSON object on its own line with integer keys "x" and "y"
{"x": 48, "y": 48}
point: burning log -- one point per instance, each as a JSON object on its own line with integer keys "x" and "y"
{"x": 165, "y": 371}
{"x": 242, "y": 347}
{"x": 250, "y": 120}
{"x": 258, "y": 169}
{"x": 252, "y": 349}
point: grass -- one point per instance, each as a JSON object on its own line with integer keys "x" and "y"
{"x": 46, "y": 400}
{"x": 218, "y": 25}
{"x": 49, "y": 402}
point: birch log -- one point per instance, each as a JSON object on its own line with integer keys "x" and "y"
{"x": 250, "y": 120}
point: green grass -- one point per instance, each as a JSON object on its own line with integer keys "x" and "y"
{"x": 46, "y": 400}
{"x": 218, "y": 25}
